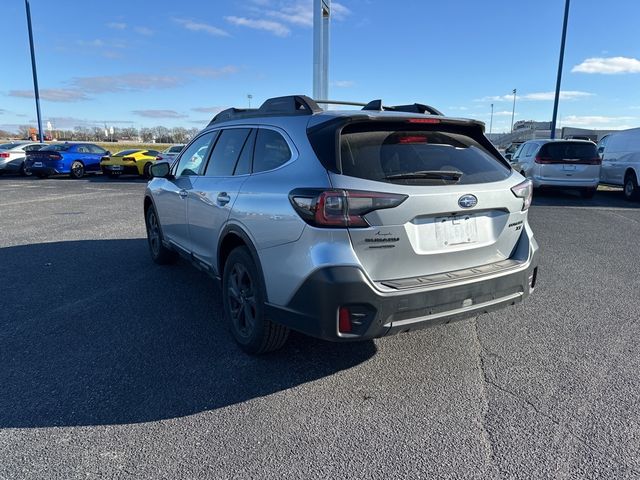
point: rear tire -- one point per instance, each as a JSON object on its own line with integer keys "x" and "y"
{"x": 243, "y": 296}
{"x": 77, "y": 170}
{"x": 146, "y": 171}
{"x": 159, "y": 253}
{"x": 24, "y": 172}
{"x": 631, "y": 190}
{"x": 588, "y": 193}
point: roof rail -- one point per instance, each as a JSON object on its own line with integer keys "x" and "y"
{"x": 378, "y": 106}
{"x": 278, "y": 106}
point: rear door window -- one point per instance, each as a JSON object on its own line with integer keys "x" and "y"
{"x": 226, "y": 152}
{"x": 569, "y": 150}
{"x": 416, "y": 157}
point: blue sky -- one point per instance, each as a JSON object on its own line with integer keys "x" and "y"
{"x": 144, "y": 63}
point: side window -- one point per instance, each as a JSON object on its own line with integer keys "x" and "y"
{"x": 96, "y": 149}
{"x": 271, "y": 151}
{"x": 529, "y": 150}
{"x": 192, "y": 158}
{"x": 226, "y": 152}
{"x": 243, "y": 167}
{"x": 518, "y": 152}
{"x": 82, "y": 149}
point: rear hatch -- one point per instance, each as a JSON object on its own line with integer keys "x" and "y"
{"x": 569, "y": 160}
{"x": 456, "y": 209}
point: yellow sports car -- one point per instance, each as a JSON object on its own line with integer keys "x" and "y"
{"x": 129, "y": 162}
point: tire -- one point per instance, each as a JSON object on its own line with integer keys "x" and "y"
{"x": 159, "y": 253}
{"x": 588, "y": 193}
{"x": 631, "y": 190}
{"x": 146, "y": 171}
{"x": 24, "y": 172}
{"x": 243, "y": 295}
{"x": 77, "y": 170}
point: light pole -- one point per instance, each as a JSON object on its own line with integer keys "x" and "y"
{"x": 321, "y": 20}
{"x": 36, "y": 91}
{"x": 491, "y": 121}
{"x": 249, "y": 97}
{"x": 559, "y": 79}
{"x": 513, "y": 112}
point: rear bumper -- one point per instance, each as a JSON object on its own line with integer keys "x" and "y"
{"x": 541, "y": 182}
{"x": 46, "y": 168}
{"x": 120, "y": 169}
{"x": 314, "y": 308}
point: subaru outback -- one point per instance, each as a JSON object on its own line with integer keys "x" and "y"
{"x": 344, "y": 224}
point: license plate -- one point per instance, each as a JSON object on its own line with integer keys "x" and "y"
{"x": 116, "y": 167}
{"x": 569, "y": 168}
{"x": 456, "y": 230}
{"x": 37, "y": 164}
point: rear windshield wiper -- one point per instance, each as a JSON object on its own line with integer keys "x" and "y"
{"x": 453, "y": 175}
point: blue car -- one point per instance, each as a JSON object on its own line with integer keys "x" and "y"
{"x": 73, "y": 159}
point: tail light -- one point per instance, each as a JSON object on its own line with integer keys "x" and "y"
{"x": 543, "y": 160}
{"x": 128, "y": 159}
{"x": 4, "y": 155}
{"x": 105, "y": 159}
{"x": 340, "y": 208}
{"x": 55, "y": 156}
{"x": 159, "y": 157}
{"x": 591, "y": 161}
{"x": 524, "y": 191}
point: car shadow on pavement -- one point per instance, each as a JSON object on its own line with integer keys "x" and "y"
{"x": 93, "y": 333}
{"x": 606, "y": 197}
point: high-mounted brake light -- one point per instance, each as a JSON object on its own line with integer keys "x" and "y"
{"x": 524, "y": 191}
{"x": 413, "y": 139}
{"x": 423, "y": 120}
{"x": 340, "y": 208}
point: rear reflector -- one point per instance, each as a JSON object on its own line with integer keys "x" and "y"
{"x": 423, "y": 120}
{"x": 344, "y": 320}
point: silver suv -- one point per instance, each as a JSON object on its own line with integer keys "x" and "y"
{"x": 344, "y": 225}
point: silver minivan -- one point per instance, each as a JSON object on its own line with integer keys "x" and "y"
{"x": 620, "y": 154}
{"x": 344, "y": 225}
{"x": 565, "y": 164}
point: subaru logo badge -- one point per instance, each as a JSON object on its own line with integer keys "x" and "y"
{"x": 467, "y": 201}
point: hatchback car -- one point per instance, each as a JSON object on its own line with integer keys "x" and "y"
{"x": 566, "y": 164}
{"x": 344, "y": 225}
{"x": 73, "y": 159}
{"x": 169, "y": 153}
{"x": 13, "y": 155}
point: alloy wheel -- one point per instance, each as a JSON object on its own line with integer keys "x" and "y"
{"x": 242, "y": 300}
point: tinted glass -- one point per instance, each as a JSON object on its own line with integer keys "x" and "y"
{"x": 569, "y": 150}
{"x": 226, "y": 152}
{"x": 376, "y": 153}
{"x": 243, "y": 167}
{"x": 124, "y": 153}
{"x": 58, "y": 148}
{"x": 96, "y": 149}
{"x": 31, "y": 148}
{"x": 177, "y": 149}
{"x": 271, "y": 151}
{"x": 191, "y": 160}
{"x": 151, "y": 153}
{"x": 9, "y": 146}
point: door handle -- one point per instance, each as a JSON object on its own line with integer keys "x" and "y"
{"x": 223, "y": 198}
{"x": 183, "y": 193}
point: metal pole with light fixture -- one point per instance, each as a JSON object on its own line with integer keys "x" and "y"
{"x": 33, "y": 68}
{"x": 249, "y": 97}
{"x": 321, "y": 19}
{"x": 491, "y": 121}
{"x": 513, "y": 112}
{"x": 560, "y": 62}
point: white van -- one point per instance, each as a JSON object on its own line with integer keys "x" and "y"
{"x": 620, "y": 153}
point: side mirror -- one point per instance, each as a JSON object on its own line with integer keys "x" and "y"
{"x": 108, "y": 154}
{"x": 161, "y": 170}
{"x": 508, "y": 156}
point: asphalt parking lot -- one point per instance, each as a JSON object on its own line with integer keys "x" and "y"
{"x": 111, "y": 366}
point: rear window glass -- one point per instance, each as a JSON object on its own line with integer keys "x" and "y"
{"x": 177, "y": 149}
{"x": 416, "y": 157}
{"x": 58, "y": 148}
{"x": 569, "y": 150}
{"x": 9, "y": 146}
{"x": 125, "y": 152}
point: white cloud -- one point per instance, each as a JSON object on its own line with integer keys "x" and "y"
{"x": 502, "y": 113}
{"x": 537, "y": 96}
{"x": 343, "y": 83}
{"x": 276, "y": 28}
{"x": 599, "y": 122}
{"x": 125, "y": 82}
{"x": 52, "y": 94}
{"x": 210, "y": 72}
{"x": 144, "y": 31}
{"x": 608, "y": 66}
{"x": 158, "y": 113}
{"x": 117, "y": 25}
{"x": 201, "y": 27}
{"x": 209, "y": 109}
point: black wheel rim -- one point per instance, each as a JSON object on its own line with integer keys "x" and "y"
{"x": 153, "y": 233}
{"x": 242, "y": 300}
{"x": 77, "y": 169}
{"x": 628, "y": 188}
